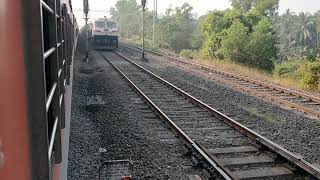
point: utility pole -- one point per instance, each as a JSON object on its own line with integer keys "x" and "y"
{"x": 86, "y": 11}
{"x": 155, "y": 6}
{"x": 143, "y": 3}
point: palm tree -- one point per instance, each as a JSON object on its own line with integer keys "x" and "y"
{"x": 318, "y": 29}
{"x": 305, "y": 34}
{"x": 288, "y": 31}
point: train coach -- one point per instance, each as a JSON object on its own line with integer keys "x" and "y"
{"x": 105, "y": 34}
{"x": 36, "y": 81}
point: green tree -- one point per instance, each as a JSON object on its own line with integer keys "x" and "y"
{"x": 245, "y": 5}
{"x": 305, "y": 33}
{"x": 213, "y": 23}
{"x": 212, "y": 32}
{"x": 242, "y": 37}
{"x": 197, "y": 39}
{"x": 318, "y": 24}
{"x": 267, "y": 7}
{"x": 318, "y": 30}
{"x": 262, "y": 48}
{"x": 183, "y": 34}
{"x": 126, "y": 14}
{"x": 251, "y": 19}
{"x": 167, "y": 25}
{"x": 233, "y": 43}
{"x": 176, "y": 28}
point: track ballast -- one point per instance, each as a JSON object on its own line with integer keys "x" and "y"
{"x": 305, "y": 103}
{"x": 225, "y": 148}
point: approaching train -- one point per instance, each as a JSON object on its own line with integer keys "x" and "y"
{"x": 105, "y": 34}
{"x": 37, "y": 48}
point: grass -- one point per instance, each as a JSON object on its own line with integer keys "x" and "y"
{"x": 271, "y": 118}
{"x": 250, "y": 72}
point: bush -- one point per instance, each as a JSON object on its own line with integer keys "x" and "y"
{"x": 309, "y": 76}
{"x": 257, "y": 49}
{"x": 287, "y": 69}
{"x": 311, "y": 55}
{"x": 187, "y": 53}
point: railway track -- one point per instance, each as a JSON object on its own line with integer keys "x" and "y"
{"x": 302, "y": 102}
{"x": 225, "y": 148}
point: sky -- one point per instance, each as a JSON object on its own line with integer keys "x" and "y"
{"x": 101, "y": 8}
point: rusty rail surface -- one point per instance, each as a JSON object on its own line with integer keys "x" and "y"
{"x": 305, "y": 103}
{"x": 277, "y": 161}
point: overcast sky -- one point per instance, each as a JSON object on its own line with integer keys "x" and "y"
{"x": 101, "y": 8}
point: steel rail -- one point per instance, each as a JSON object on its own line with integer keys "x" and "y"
{"x": 257, "y": 93}
{"x": 243, "y": 78}
{"x": 282, "y": 152}
{"x": 186, "y": 138}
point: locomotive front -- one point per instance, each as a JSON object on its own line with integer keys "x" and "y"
{"x": 105, "y": 34}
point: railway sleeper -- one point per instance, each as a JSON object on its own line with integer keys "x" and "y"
{"x": 284, "y": 96}
{"x": 234, "y": 149}
{"x": 278, "y": 94}
{"x": 260, "y": 89}
{"x": 305, "y": 101}
{"x": 210, "y": 129}
{"x": 183, "y": 111}
{"x": 159, "y": 99}
{"x": 198, "y": 160}
{"x": 215, "y": 170}
{"x": 281, "y": 173}
{"x": 191, "y": 116}
{"x": 312, "y": 104}
{"x": 249, "y": 161}
{"x": 252, "y": 164}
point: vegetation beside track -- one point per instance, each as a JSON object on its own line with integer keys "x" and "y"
{"x": 251, "y": 38}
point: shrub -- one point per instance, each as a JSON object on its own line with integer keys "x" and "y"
{"x": 187, "y": 53}
{"x": 309, "y": 76}
{"x": 287, "y": 69}
{"x": 257, "y": 49}
{"x": 311, "y": 55}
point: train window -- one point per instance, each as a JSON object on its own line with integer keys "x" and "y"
{"x": 100, "y": 24}
{"x": 111, "y": 24}
{"x": 45, "y": 22}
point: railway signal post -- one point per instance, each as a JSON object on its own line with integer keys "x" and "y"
{"x": 86, "y": 11}
{"x": 143, "y": 3}
{"x": 155, "y": 14}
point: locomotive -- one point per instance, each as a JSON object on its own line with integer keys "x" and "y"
{"x": 104, "y": 34}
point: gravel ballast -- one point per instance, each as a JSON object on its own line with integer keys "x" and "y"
{"x": 294, "y": 131}
{"x": 122, "y": 127}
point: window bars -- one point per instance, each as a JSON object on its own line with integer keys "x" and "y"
{"x": 58, "y": 48}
